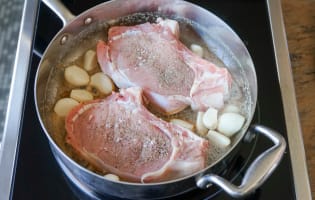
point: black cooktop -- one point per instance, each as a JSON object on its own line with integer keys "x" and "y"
{"x": 37, "y": 175}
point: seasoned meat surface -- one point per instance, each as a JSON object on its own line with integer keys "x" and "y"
{"x": 120, "y": 136}
{"x": 151, "y": 56}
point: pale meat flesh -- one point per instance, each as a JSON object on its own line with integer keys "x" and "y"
{"x": 151, "y": 56}
{"x": 119, "y": 135}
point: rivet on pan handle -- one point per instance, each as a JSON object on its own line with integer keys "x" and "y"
{"x": 60, "y": 10}
{"x": 259, "y": 170}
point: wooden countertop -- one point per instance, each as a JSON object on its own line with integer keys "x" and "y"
{"x": 299, "y": 20}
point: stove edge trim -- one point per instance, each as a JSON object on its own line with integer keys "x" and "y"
{"x": 12, "y": 126}
{"x": 294, "y": 132}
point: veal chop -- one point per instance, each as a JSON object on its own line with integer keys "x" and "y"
{"x": 151, "y": 56}
{"x": 119, "y": 135}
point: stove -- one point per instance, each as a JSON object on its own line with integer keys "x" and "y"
{"x": 28, "y": 169}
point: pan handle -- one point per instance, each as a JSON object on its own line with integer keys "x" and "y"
{"x": 259, "y": 170}
{"x": 60, "y": 10}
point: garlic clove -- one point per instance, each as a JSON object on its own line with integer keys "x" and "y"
{"x": 81, "y": 95}
{"x": 76, "y": 76}
{"x": 90, "y": 60}
{"x": 218, "y": 139}
{"x": 197, "y": 49}
{"x": 231, "y": 108}
{"x": 102, "y": 82}
{"x": 230, "y": 123}
{"x": 64, "y": 105}
{"x": 210, "y": 118}
{"x": 111, "y": 177}
{"x": 182, "y": 123}
{"x": 200, "y": 127}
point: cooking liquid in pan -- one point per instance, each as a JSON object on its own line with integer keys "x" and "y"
{"x": 190, "y": 33}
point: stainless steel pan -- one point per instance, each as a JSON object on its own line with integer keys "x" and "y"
{"x": 82, "y": 32}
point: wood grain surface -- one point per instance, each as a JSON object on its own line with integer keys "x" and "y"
{"x": 299, "y": 20}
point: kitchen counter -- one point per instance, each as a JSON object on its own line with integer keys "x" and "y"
{"x": 299, "y": 20}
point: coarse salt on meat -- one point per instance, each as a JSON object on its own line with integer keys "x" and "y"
{"x": 120, "y": 136}
{"x": 151, "y": 56}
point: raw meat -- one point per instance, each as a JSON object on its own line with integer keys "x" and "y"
{"x": 119, "y": 135}
{"x": 151, "y": 56}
